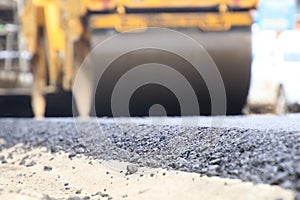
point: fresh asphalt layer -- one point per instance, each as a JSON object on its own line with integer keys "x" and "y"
{"x": 259, "y": 149}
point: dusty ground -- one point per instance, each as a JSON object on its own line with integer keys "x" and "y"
{"x": 67, "y": 159}
{"x": 38, "y": 174}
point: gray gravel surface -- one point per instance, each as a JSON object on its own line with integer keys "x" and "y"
{"x": 256, "y": 154}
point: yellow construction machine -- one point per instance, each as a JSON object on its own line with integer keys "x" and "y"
{"x": 60, "y": 34}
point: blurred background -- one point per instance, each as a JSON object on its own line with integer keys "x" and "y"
{"x": 254, "y": 43}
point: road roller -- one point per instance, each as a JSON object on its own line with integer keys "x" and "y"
{"x": 70, "y": 40}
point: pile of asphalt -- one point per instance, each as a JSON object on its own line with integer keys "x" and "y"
{"x": 259, "y": 156}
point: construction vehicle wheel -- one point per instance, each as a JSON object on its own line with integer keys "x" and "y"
{"x": 231, "y": 52}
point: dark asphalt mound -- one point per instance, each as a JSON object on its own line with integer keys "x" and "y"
{"x": 271, "y": 157}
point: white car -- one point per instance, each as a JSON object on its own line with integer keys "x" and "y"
{"x": 275, "y": 81}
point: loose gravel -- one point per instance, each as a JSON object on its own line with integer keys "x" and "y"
{"x": 268, "y": 156}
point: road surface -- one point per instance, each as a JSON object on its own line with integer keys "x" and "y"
{"x": 257, "y": 149}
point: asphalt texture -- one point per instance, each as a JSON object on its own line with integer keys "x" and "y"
{"x": 243, "y": 148}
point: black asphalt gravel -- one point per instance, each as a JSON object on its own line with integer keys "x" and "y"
{"x": 253, "y": 153}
